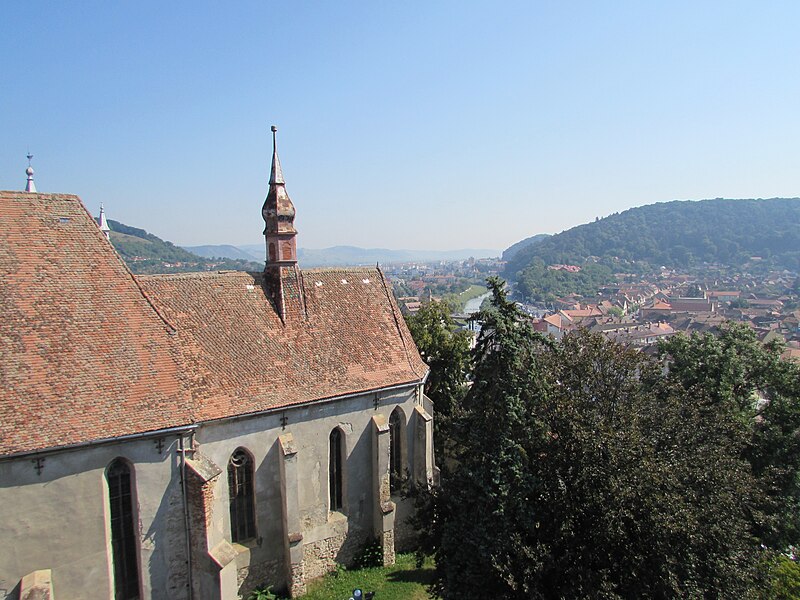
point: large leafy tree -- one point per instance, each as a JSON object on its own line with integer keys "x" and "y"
{"x": 742, "y": 377}
{"x": 583, "y": 471}
{"x": 446, "y": 350}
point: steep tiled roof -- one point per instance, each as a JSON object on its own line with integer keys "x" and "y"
{"x": 244, "y": 359}
{"x": 89, "y": 352}
{"x": 83, "y": 355}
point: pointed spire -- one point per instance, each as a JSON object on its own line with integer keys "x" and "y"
{"x": 101, "y": 221}
{"x": 276, "y": 175}
{"x": 281, "y": 273}
{"x": 30, "y": 186}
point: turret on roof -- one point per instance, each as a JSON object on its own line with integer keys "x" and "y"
{"x": 30, "y": 186}
{"x": 101, "y": 221}
{"x": 282, "y": 275}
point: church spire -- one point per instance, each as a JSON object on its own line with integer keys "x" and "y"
{"x": 103, "y": 223}
{"x": 278, "y": 213}
{"x": 281, "y": 273}
{"x": 30, "y": 186}
{"x": 276, "y": 174}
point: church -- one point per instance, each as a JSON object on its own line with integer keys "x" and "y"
{"x": 195, "y": 436}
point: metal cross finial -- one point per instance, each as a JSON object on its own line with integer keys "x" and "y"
{"x": 30, "y": 156}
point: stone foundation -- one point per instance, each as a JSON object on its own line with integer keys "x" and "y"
{"x": 268, "y": 573}
{"x": 388, "y": 548}
{"x": 297, "y": 580}
{"x": 321, "y": 557}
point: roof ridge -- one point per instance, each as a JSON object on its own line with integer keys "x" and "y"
{"x": 107, "y": 241}
{"x": 397, "y": 322}
{"x": 198, "y": 274}
{"x": 340, "y": 269}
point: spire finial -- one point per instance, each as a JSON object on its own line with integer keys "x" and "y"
{"x": 276, "y": 175}
{"x": 30, "y": 186}
{"x": 103, "y": 223}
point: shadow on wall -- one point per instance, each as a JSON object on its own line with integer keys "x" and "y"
{"x": 359, "y": 504}
{"x": 267, "y": 562}
{"x": 167, "y": 537}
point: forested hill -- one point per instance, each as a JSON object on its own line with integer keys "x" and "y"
{"x": 678, "y": 234}
{"x": 144, "y": 252}
{"x": 509, "y": 252}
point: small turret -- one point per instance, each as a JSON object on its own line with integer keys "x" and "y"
{"x": 30, "y": 186}
{"x": 101, "y": 221}
{"x": 278, "y": 213}
{"x": 282, "y": 276}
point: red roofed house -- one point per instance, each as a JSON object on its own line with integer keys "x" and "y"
{"x": 195, "y": 435}
{"x": 554, "y": 325}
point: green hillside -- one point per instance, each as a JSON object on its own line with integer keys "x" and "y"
{"x": 513, "y": 249}
{"x": 144, "y": 252}
{"x": 680, "y": 234}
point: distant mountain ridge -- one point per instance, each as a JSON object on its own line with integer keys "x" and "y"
{"x": 222, "y": 251}
{"x": 677, "y": 234}
{"x": 512, "y": 250}
{"x": 147, "y": 253}
{"x": 340, "y": 256}
{"x": 144, "y": 252}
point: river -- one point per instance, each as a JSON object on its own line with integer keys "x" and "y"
{"x": 475, "y": 304}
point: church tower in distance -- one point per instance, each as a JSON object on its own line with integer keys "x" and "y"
{"x": 282, "y": 276}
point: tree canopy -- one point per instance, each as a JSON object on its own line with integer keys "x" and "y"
{"x": 583, "y": 469}
{"x": 678, "y": 234}
{"x": 446, "y": 350}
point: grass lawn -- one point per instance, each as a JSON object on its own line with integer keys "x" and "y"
{"x": 403, "y": 581}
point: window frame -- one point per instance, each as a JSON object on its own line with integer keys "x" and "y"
{"x": 241, "y": 496}
{"x": 397, "y": 450}
{"x": 123, "y": 529}
{"x": 336, "y": 463}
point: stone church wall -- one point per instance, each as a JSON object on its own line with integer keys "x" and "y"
{"x": 328, "y": 537}
{"x": 58, "y": 519}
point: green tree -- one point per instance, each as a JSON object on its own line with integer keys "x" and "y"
{"x": 784, "y": 579}
{"x": 751, "y": 381}
{"x": 445, "y": 349}
{"x": 583, "y": 472}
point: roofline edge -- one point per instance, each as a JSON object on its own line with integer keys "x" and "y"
{"x": 195, "y": 426}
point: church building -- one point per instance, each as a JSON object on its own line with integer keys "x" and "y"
{"x": 196, "y": 435}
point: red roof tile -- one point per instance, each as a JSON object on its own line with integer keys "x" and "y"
{"x": 244, "y": 359}
{"x": 89, "y": 352}
{"x": 83, "y": 355}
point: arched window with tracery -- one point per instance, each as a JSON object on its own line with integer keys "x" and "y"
{"x": 242, "y": 496}
{"x": 124, "y": 550}
{"x": 335, "y": 470}
{"x": 396, "y": 449}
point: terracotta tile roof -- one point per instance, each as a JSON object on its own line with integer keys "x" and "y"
{"x": 89, "y": 352}
{"x": 244, "y": 359}
{"x": 582, "y": 313}
{"x": 555, "y": 320}
{"x": 83, "y": 355}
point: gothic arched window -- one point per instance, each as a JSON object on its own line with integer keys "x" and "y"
{"x": 242, "y": 496}
{"x": 123, "y": 531}
{"x": 396, "y": 445}
{"x": 335, "y": 471}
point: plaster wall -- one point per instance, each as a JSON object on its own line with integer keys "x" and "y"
{"x": 59, "y": 520}
{"x": 328, "y": 536}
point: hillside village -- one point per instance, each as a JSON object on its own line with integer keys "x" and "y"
{"x": 637, "y": 310}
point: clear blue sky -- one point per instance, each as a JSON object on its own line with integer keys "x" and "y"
{"x": 426, "y": 125}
